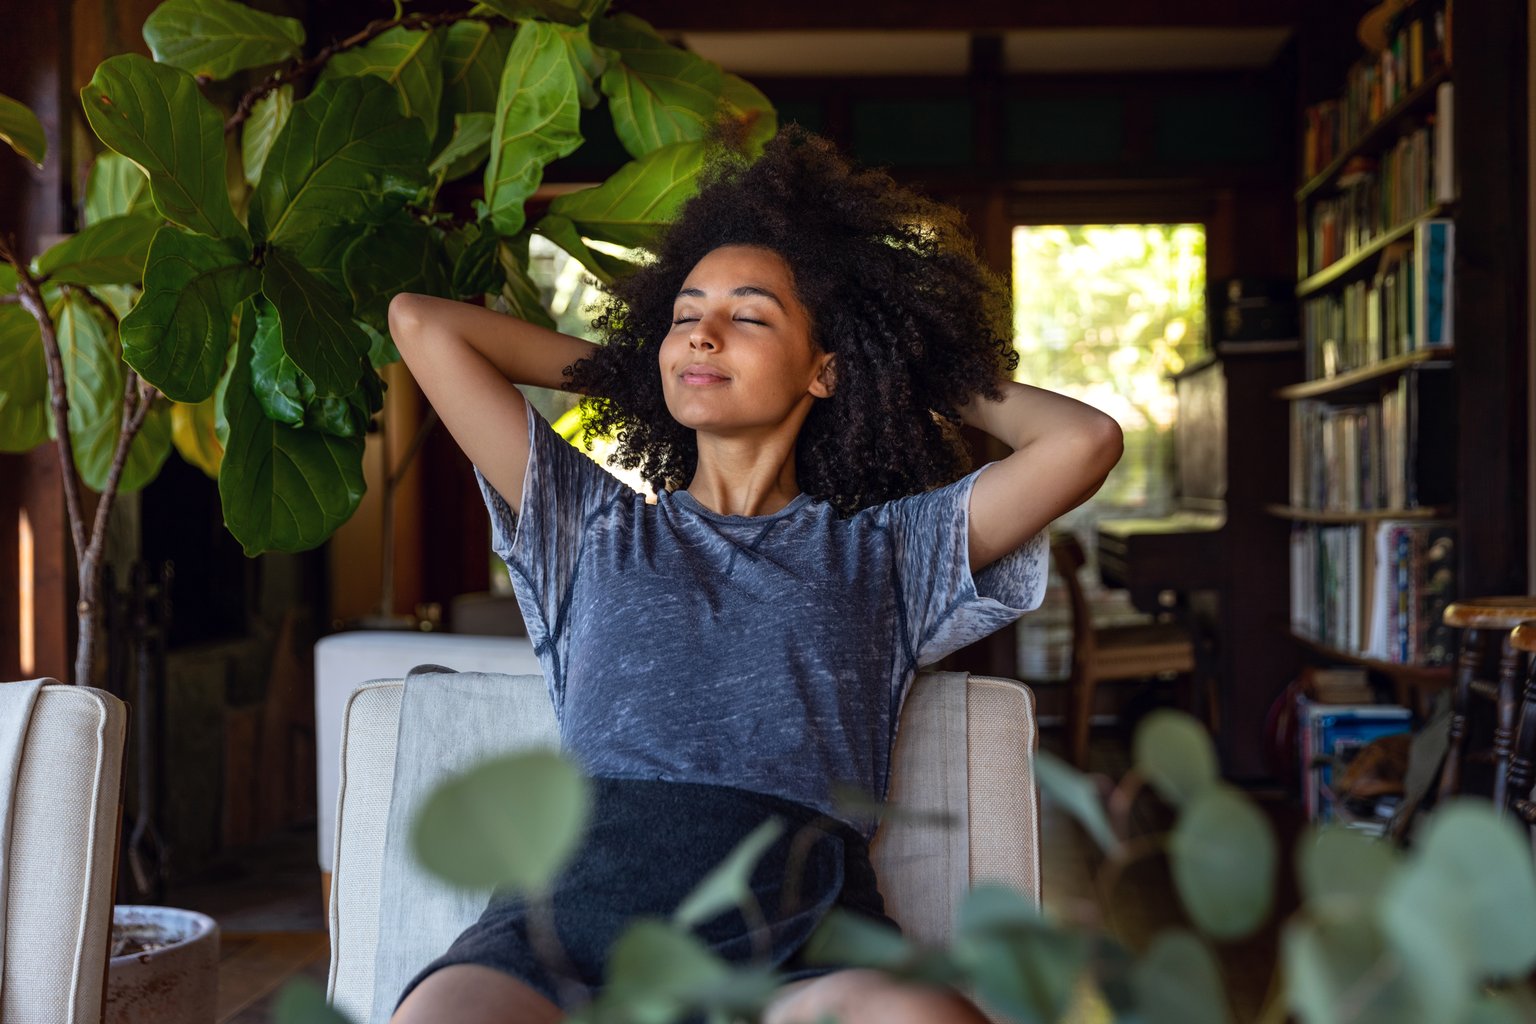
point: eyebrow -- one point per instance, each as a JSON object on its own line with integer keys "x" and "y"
{"x": 746, "y": 289}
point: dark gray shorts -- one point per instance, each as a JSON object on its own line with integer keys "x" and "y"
{"x": 647, "y": 846}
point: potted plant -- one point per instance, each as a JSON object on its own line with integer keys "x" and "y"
{"x": 226, "y": 294}
{"x": 1442, "y": 932}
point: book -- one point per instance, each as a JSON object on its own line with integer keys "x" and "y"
{"x": 1434, "y": 252}
{"x": 1330, "y": 735}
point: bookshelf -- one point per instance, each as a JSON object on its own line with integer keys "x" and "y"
{"x": 1374, "y": 543}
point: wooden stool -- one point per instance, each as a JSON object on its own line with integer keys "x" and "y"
{"x": 1523, "y": 639}
{"x": 1476, "y": 617}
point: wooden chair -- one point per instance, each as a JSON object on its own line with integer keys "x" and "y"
{"x": 1487, "y": 691}
{"x": 1105, "y": 654}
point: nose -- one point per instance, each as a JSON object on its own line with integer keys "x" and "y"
{"x": 699, "y": 339}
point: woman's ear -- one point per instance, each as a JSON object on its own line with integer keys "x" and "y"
{"x": 826, "y": 377}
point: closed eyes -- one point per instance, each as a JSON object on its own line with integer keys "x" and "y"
{"x": 739, "y": 319}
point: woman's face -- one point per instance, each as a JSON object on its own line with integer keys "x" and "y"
{"x": 739, "y": 357}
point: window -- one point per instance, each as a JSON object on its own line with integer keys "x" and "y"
{"x": 1104, "y": 313}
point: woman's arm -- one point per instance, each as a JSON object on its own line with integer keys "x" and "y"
{"x": 466, "y": 360}
{"x": 1062, "y": 451}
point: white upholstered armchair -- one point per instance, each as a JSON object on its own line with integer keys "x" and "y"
{"x": 62, "y": 751}
{"x": 965, "y": 746}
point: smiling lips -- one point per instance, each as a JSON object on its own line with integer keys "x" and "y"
{"x": 700, "y": 375}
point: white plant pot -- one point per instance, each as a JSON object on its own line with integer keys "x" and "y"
{"x": 177, "y": 983}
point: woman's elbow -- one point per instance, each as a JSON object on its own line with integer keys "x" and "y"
{"x": 1106, "y": 441}
{"x": 405, "y": 315}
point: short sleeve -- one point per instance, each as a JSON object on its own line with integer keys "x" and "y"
{"x": 562, "y": 491}
{"x": 945, "y": 605}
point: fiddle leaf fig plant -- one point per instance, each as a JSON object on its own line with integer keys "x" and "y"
{"x": 226, "y": 293}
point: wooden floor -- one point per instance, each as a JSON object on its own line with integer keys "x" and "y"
{"x": 256, "y": 963}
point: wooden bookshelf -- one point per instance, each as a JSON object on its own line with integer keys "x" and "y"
{"x": 1381, "y": 134}
{"x": 1431, "y": 676}
{"x": 1374, "y": 419}
{"x": 1309, "y": 515}
{"x": 1350, "y": 380}
{"x": 1343, "y": 266}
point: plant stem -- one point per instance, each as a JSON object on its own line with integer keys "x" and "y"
{"x": 138, "y": 397}
{"x": 30, "y": 295}
{"x": 299, "y": 68}
{"x": 137, "y": 400}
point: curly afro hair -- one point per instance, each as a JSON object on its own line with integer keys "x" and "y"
{"x": 916, "y": 324}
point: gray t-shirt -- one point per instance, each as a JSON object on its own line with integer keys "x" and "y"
{"x": 770, "y": 653}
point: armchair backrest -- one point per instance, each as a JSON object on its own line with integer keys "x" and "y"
{"x": 965, "y": 747}
{"x": 63, "y": 846}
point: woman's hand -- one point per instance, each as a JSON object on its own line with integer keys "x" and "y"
{"x": 1063, "y": 450}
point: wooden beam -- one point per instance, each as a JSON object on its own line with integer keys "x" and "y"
{"x": 967, "y": 15}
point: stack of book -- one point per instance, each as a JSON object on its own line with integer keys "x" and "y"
{"x": 1376, "y": 590}
{"x": 1372, "y": 456}
{"x": 1414, "y": 581}
{"x": 1330, "y": 736}
{"x": 1419, "y": 49}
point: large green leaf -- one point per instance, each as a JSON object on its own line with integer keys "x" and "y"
{"x": 745, "y": 104}
{"x": 216, "y": 38}
{"x": 283, "y": 488}
{"x": 656, "y": 973}
{"x": 93, "y": 374}
{"x": 301, "y": 1001}
{"x": 111, "y": 251}
{"x": 261, "y": 129}
{"x": 194, "y": 433}
{"x": 566, "y": 12}
{"x": 657, "y": 94}
{"x": 317, "y": 328}
{"x": 410, "y": 60}
{"x": 471, "y": 251}
{"x": 21, "y": 130}
{"x": 1222, "y": 854}
{"x": 550, "y": 70}
{"x": 1464, "y": 905}
{"x": 1343, "y": 872}
{"x": 603, "y": 266}
{"x": 1175, "y": 754}
{"x": 639, "y": 199}
{"x": 287, "y": 395}
{"x": 474, "y": 53}
{"x": 346, "y": 156}
{"x": 402, "y": 255}
{"x": 23, "y": 382}
{"x": 519, "y": 291}
{"x": 154, "y": 115}
{"x": 177, "y": 335}
{"x": 1018, "y": 961}
{"x": 115, "y": 186}
{"x": 467, "y": 149}
{"x": 1179, "y": 982}
{"x": 511, "y": 821}
{"x": 1077, "y": 795}
{"x": 1342, "y": 970}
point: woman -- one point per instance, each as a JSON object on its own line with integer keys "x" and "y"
{"x": 786, "y": 374}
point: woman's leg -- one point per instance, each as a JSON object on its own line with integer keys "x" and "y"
{"x": 869, "y": 997}
{"x": 471, "y": 994}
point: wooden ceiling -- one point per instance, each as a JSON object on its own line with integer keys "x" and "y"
{"x": 963, "y": 15}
